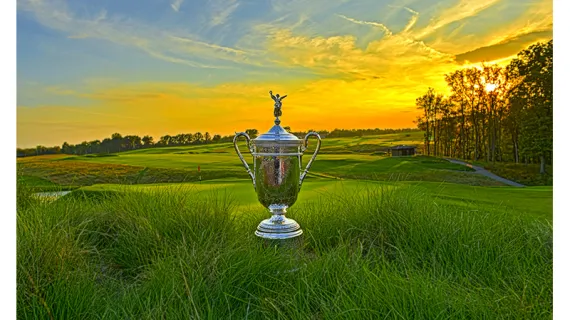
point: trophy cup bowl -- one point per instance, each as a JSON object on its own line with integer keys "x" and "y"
{"x": 277, "y": 177}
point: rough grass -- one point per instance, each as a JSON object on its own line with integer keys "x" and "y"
{"x": 70, "y": 172}
{"x": 531, "y": 202}
{"x": 526, "y": 174}
{"x": 367, "y": 253}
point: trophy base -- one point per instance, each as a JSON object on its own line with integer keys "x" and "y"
{"x": 278, "y": 228}
{"x": 282, "y": 229}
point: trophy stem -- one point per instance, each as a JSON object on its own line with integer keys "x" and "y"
{"x": 278, "y": 227}
{"x": 277, "y": 214}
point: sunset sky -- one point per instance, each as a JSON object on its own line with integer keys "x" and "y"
{"x": 87, "y": 69}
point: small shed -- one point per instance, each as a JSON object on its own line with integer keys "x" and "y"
{"x": 403, "y": 151}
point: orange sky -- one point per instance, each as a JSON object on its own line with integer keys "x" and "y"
{"x": 86, "y": 76}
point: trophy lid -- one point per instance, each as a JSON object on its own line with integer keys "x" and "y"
{"x": 277, "y": 135}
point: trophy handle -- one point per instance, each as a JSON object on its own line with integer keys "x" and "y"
{"x": 239, "y": 134}
{"x": 303, "y": 148}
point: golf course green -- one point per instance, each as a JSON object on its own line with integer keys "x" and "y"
{"x": 144, "y": 235}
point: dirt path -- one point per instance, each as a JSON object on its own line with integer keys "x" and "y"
{"x": 486, "y": 173}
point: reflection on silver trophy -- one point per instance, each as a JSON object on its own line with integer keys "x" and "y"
{"x": 277, "y": 177}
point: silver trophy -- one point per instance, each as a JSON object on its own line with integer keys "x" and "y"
{"x": 277, "y": 177}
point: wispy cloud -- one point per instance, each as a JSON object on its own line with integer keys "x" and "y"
{"x": 340, "y": 56}
{"x": 382, "y": 55}
{"x": 221, "y": 10}
{"x": 535, "y": 16}
{"x": 538, "y": 17}
{"x": 374, "y": 24}
{"x": 463, "y": 10}
{"x": 413, "y": 20}
{"x": 208, "y": 45}
{"x": 190, "y": 63}
{"x": 176, "y": 5}
{"x": 165, "y": 44}
{"x": 183, "y": 46}
{"x": 504, "y": 49}
{"x": 58, "y": 90}
{"x": 411, "y": 11}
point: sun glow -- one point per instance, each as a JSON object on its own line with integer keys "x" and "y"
{"x": 489, "y": 87}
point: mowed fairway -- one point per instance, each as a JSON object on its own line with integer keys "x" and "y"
{"x": 342, "y": 158}
{"x": 342, "y": 164}
{"x": 222, "y": 156}
{"x": 328, "y": 163}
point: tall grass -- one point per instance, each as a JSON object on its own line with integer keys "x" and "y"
{"x": 368, "y": 254}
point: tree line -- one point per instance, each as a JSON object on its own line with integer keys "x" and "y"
{"x": 494, "y": 113}
{"x": 119, "y": 143}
